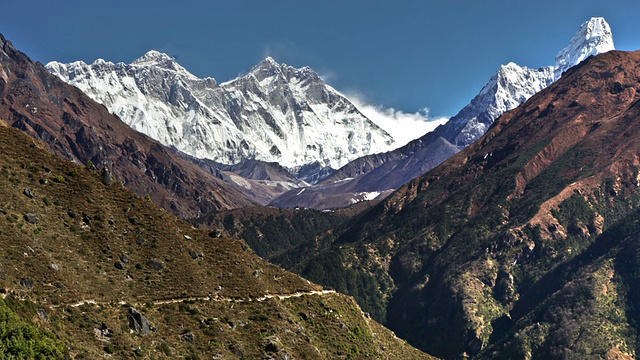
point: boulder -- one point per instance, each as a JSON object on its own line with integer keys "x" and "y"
{"x": 29, "y": 193}
{"x": 138, "y": 322}
{"x": 27, "y": 283}
{"x": 189, "y": 337}
{"x": 107, "y": 178}
{"x": 124, "y": 258}
{"x": 32, "y": 218}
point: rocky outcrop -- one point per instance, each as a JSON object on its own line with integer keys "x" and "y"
{"x": 138, "y": 322}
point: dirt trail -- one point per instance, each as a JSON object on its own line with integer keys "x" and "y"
{"x": 207, "y": 298}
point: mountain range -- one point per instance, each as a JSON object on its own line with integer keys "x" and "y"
{"x": 273, "y": 113}
{"x": 255, "y": 116}
{"x": 510, "y": 86}
{"x": 520, "y": 244}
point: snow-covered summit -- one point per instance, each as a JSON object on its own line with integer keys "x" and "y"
{"x": 274, "y": 112}
{"x": 594, "y": 37}
{"x": 513, "y": 84}
{"x": 161, "y": 60}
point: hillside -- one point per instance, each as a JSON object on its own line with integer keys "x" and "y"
{"x": 96, "y": 271}
{"x": 461, "y": 259}
{"x": 272, "y": 232}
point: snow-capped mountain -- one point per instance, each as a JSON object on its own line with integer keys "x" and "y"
{"x": 594, "y": 37}
{"x": 510, "y": 86}
{"x": 513, "y": 84}
{"x": 273, "y": 113}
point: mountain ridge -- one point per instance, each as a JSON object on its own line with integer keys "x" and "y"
{"x": 273, "y": 112}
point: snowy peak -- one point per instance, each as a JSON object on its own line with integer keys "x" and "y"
{"x": 161, "y": 60}
{"x": 269, "y": 68}
{"x": 513, "y": 84}
{"x": 265, "y": 69}
{"x": 594, "y": 37}
{"x": 272, "y": 113}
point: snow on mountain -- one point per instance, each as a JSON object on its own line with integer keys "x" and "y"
{"x": 273, "y": 113}
{"x": 594, "y": 37}
{"x": 510, "y": 86}
{"x": 513, "y": 84}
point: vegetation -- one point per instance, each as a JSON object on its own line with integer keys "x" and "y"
{"x": 21, "y": 339}
{"x": 91, "y": 252}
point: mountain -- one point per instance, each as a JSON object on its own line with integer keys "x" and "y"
{"x": 510, "y": 86}
{"x": 260, "y": 181}
{"x": 513, "y": 84}
{"x": 273, "y": 113}
{"x": 94, "y": 271}
{"x": 77, "y": 128}
{"x": 522, "y": 245}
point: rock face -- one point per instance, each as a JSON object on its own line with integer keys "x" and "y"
{"x": 509, "y": 87}
{"x": 75, "y": 127}
{"x": 273, "y": 113}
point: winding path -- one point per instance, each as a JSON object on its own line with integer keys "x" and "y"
{"x": 208, "y": 298}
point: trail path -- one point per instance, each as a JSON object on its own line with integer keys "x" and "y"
{"x": 208, "y": 298}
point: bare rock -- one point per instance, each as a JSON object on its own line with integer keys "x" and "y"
{"x": 29, "y": 193}
{"x": 27, "y": 283}
{"x": 139, "y": 322}
{"x": 189, "y": 337}
{"x": 107, "y": 178}
{"x": 32, "y": 218}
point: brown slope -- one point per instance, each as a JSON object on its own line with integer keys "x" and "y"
{"x": 77, "y": 255}
{"x": 457, "y": 248}
{"x": 75, "y": 127}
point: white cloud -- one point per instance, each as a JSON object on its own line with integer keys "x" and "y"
{"x": 403, "y": 126}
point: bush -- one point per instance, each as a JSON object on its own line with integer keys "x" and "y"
{"x": 22, "y": 340}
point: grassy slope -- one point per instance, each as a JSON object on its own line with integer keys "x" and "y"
{"x": 106, "y": 245}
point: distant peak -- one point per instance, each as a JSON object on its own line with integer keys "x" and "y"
{"x": 593, "y": 38}
{"x": 270, "y": 60}
{"x": 152, "y": 57}
{"x": 267, "y": 63}
{"x": 161, "y": 60}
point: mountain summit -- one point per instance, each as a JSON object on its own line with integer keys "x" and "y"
{"x": 514, "y": 84}
{"x": 161, "y": 60}
{"x": 272, "y": 113}
{"x": 594, "y": 37}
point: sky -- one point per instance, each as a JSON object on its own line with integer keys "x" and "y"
{"x": 409, "y": 60}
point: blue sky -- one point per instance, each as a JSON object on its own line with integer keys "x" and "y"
{"x": 406, "y": 55}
